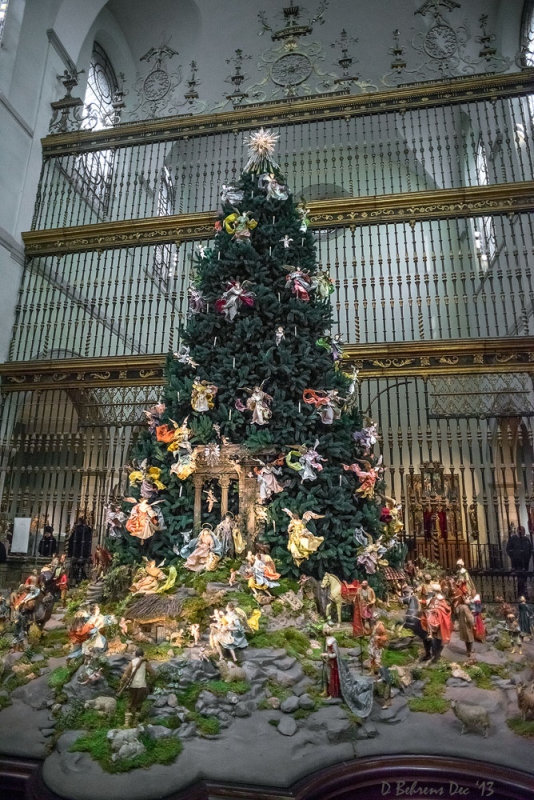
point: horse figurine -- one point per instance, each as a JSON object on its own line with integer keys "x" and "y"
{"x": 338, "y": 592}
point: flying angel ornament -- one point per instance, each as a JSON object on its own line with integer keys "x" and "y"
{"x": 267, "y": 482}
{"x": 302, "y": 542}
{"x": 239, "y": 225}
{"x": 302, "y": 211}
{"x": 274, "y": 190}
{"x": 308, "y": 462}
{"x": 299, "y": 282}
{"x": 153, "y": 416}
{"x": 184, "y": 357}
{"x": 231, "y": 195}
{"x": 324, "y": 285}
{"x": 367, "y": 437}
{"x": 145, "y": 519}
{"x": 329, "y": 403}
{"x": 259, "y": 403}
{"x": 286, "y": 241}
{"x": 367, "y": 476}
{"x": 196, "y": 302}
{"x": 202, "y": 395}
{"x": 233, "y": 298}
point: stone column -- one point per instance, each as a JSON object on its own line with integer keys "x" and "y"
{"x": 198, "y": 481}
{"x": 224, "y": 483}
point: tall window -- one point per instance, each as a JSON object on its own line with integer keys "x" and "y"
{"x": 485, "y": 241}
{"x": 527, "y": 34}
{"x": 93, "y": 171}
{"x": 3, "y": 11}
{"x": 164, "y": 257}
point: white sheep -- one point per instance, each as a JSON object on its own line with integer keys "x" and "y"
{"x": 472, "y": 717}
{"x": 525, "y": 699}
{"x": 105, "y": 706}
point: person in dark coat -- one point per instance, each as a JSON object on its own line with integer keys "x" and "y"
{"x": 48, "y": 544}
{"x": 3, "y": 553}
{"x": 79, "y": 550}
{"x": 519, "y": 549}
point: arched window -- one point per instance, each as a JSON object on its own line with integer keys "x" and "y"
{"x": 3, "y": 11}
{"x": 165, "y": 256}
{"x": 485, "y": 240}
{"x": 101, "y": 87}
{"x": 527, "y": 34}
{"x": 94, "y": 170}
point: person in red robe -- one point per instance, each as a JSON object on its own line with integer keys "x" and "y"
{"x": 439, "y": 624}
{"x": 364, "y": 603}
{"x": 333, "y": 683}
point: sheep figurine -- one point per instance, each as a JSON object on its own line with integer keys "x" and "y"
{"x": 104, "y": 706}
{"x": 475, "y": 718}
{"x": 525, "y": 699}
{"x": 125, "y": 744}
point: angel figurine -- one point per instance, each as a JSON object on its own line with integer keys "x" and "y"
{"x": 153, "y": 416}
{"x": 196, "y": 301}
{"x": 115, "y": 519}
{"x": 279, "y": 335}
{"x": 274, "y": 190}
{"x": 145, "y": 519}
{"x": 371, "y": 557}
{"x": 333, "y": 345}
{"x": 299, "y": 282}
{"x": 267, "y": 482}
{"x": 231, "y": 195}
{"x": 286, "y": 241}
{"x": 211, "y": 500}
{"x": 324, "y": 284}
{"x": 258, "y": 402}
{"x": 185, "y": 463}
{"x": 302, "y": 211}
{"x": 173, "y": 436}
{"x": 368, "y": 476}
{"x": 328, "y": 402}
{"x": 202, "y": 395}
{"x": 232, "y": 298}
{"x": 240, "y": 225}
{"x": 184, "y": 357}
{"x": 302, "y": 542}
{"x": 149, "y": 478}
{"x": 367, "y": 437}
{"x": 309, "y": 462}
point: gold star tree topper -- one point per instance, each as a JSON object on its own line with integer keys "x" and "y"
{"x": 261, "y": 146}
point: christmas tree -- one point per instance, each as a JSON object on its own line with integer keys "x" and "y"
{"x": 258, "y": 367}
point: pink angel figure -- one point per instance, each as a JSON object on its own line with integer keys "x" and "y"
{"x": 153, "y": 416}
{"x": 267, "y": 482}
{"x": 368, "y": 476}
{"x": 299, "y": 282}
{"x": 232, "y": 297}
{"x": 328, "y": 402}
{"x": 196, "y": 301}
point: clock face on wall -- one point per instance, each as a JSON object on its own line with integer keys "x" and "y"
{"x": 156, "y": 85}
{"x": 291, "y": 69}
{"x": 440, "y": 42}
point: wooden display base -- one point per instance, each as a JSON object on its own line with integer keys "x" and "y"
{"x": 405, "y": 777}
